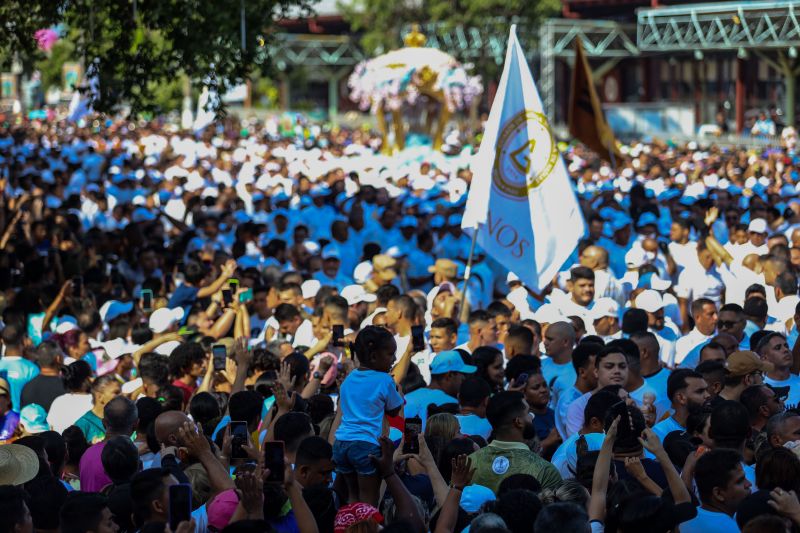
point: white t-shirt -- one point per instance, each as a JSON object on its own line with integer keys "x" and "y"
{"x": 685, "y": 344}
{"x": 684, "y": 255}
{"x": 575, "y": 413}
{"x": 695, "y": 283}
{"x": 67, "y": 409}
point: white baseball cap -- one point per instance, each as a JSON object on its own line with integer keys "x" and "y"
{"x": 758, "y": 225}
{"x": 362, "y": 272}
{"x": 604, "y": 307}
{"x": 167, "y": 347}
{"x": 650, "y": 301}
{"x": 310, "y": 288}
{"x": 548, "y": 314}
{"x": 163, "y": 319}
{"x": 356, "y": 294}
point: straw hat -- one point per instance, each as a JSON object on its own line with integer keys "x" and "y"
{"x": 18, "y": 464}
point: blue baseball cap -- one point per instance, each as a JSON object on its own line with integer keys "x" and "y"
{"x": 646, "y": 219}
{"x": 450, "y": 361}
{"x": 33, "y": 418}
{"x": 114, "y": 308}
{"x": 474, "y": 496}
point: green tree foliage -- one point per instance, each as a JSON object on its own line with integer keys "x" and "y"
{"x": 136, "y": 47}
{"x": 381, "y": 21}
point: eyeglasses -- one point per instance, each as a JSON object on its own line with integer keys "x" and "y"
{"x": 758, "y": 373}
{"x": 727, "y": 324}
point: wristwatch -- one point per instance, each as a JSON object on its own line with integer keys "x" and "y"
{"x": 317, "y": 375}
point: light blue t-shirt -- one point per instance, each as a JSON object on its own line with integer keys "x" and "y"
{"x": 706, "y": 521}
{"x": 18, "y": 371}
{"x": 658, "y": 382}
{"x": 364, "y": 398}
{"x": 559, "y": 377}
{"x": 665, "y": 427}
{"x": 472, "y": 424}
{"x": 418, "y": 401}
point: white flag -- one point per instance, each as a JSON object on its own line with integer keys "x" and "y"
{"x": 81, "y": 103}
{"x": 521, "y": 199}
{"x": 205, "y": 116}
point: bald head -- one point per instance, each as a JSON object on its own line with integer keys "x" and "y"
{"x": 167, "y": 425}
{"x": 559, "y": 339}
{"x": 594, "y": 257}
{"x": 752, "y": 262}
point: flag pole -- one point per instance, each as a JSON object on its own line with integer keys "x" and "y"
{"x": 462, "y": 308}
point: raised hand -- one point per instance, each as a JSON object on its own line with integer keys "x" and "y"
{"x": 462, "y": 472}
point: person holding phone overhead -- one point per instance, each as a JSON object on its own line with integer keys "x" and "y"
{"x": 367, "y": 395}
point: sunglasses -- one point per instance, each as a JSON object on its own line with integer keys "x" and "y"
{"x": 726, "y": 324}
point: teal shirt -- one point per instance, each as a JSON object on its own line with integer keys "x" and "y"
{"x": 92, "y": 427}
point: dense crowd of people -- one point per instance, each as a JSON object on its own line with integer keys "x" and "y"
{"x": 268, "y": 329}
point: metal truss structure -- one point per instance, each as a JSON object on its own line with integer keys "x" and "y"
{"x": 720, "y": 26}
{"x": 315, "y": 51}
{"x": 470, "y": 44}
{"x": 601, "y": 38}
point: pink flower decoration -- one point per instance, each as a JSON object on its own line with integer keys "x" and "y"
{"x": 46, "y": 38}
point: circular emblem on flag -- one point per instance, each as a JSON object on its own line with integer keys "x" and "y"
{"x": 526, "y": 154}
{"x": 500, "y": 465}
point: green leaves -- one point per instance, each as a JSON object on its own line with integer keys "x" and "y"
{"x": 134, "y": 52}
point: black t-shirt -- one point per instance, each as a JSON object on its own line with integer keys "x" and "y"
{"x": 42, "y": 390}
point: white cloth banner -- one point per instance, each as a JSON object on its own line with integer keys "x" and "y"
{"x": 81, "y": 103}
{"x": 521, "y": 199}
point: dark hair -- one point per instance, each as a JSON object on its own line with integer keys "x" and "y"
{"x": 154, "y": 367}
{"x": 146, "y": 486}
{"x": 473, "y": 392}
{"x": 581, "y": 272}
{"x": 451, "y": 450}
{"x": 194, "y": 272}
{"x": 82, "y": 512}
{"x": 479, "y": 315}
{"x": 12, "y": 499}
{"x": 245, "y": 405}
{"x": 583, "y": 353}
{"x": 523, "y": 364}
{"x": 406, "y": 305}
{"x": 634, "y": 320}
{"x": 56, "y": 448}
{"x": 519, "y": 481}
{"x": 498, "y": 308}
{"x": 714, "y": 469}
{"x": 605, "y": 352}
{"x": 292, "y": 428}
{"x": 564, "y": 517}
{"x": 47, "y": 354}
{"x": 756, "y": 307}
{"x": 13, "y": 334}
{"x": 299, "y": 366}
{"x": 697, "y": 305}
{"x": 522, "y": 335}
{"x": 676, "y": 381}
{"x": 47, "y": 495}
{"x": 286, "y": 312}
{"x": 448, "y": 324}
{"x": 753, "y": 397}
{"x": 598, "y": 405}
{"x": 320, "y": 407}
{"x": 183, "y": 357}
{"x": 778, "y": 468}
{"x": 386, "y": 293}
{"x": 730, "y": 425}
{"x": 509, "y": 505}
{"x": 36, "y": 443}
{"x": 313, "y": 449}
{"x": 120, "y": 415}
{"x": 204, "y": 409}
{"x": 504, "y": 407}
{"x": 120, "y": 459}
{"x": 629, "y": 429}
{"x": 76, "y": 444}
{"x": 483, "y": 357}
{"x": 369, "y": 340}
{"x": 629, "y": 348}
{"x": 787, "y": 283}
{"x": 76, "y": 376}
